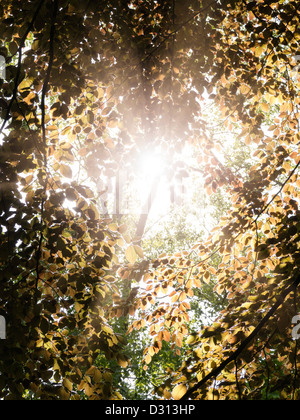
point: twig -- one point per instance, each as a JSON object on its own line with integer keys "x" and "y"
{"x": 44, "y": 92}
{"x": 215, "y": 372}
{"x": 16, "y": 84}
{"x": 47, "y": 79}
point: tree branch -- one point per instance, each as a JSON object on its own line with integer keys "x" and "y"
{"x": 47, "y": 79}
{"x": 215, "y": 372}
{"x": 144, "y": 216}
{"x": 44, "y": 92}
{"x": 278, "y": 192}
{"x": 16, "y": 84}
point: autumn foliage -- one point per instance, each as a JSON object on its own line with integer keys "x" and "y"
{"x": 88, "y": 87}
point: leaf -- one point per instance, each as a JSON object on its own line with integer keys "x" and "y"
{"x": 148, "y": 359}
{"x": 131, "y": 254}
{"x": 259, "y": 51}
{"x": 29, "y": 98}
{"x": 13, "y": 48}
{"x": 56, "y": 365}
{"x": 97, "y": 376}
{"x": 197, "y": 282}
{"x": 191, "y": 339}
{"x": 139, "y": 251}
{"x": 113, "y": 227}
{"x": 25, "y": 84}
{"x": 88, "y": 390}
{"x": 66, "y": 171}
{"x": 179, "y": 391}
{"x": 71, "y": 194}
{"x": 166, "y": 335}
{"x": 251, "y": 16}
{"x": 29, "y": 197}
{"x": 206, "y": 277}
{"x": 67, "y": 384}
{"x": 265, "y": 107}
{"x": 122, "y": 361}
{"x": 151, "y": 351}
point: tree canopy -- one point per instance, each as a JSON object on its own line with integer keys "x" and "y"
{"x": 90, "y": 88}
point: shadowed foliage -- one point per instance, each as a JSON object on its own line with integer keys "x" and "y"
{"x": 90, "y": 87}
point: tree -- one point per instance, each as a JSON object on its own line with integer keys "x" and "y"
{"x": 90, "y": 88}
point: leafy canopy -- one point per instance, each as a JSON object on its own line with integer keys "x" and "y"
{"x": 91, "y": 86}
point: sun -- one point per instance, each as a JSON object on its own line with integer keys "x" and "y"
{"x": 151, "y": 181}
{"x": 151, "y": 165}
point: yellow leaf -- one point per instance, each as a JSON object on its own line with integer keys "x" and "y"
{"x": 175, "y": 297}
{"x": 251, "y": 15}
{"x": 122, "y": 361}
{"x": 113, "y": 227}
{"x": 284, "y": 107}
{"x": 56, "y": 365}
{"x": 182, "y": 296}
{"x": 148, "y": 359}
{"x": 197, "y": 282}
{"x": 131, "y": 254}
{"x": 258, "y": 51}
{"x": 244, "y": 89}
{"x": 265, "y": 107}
{"x": 286, "y": 166}
{"x": 25, "y": 84}
{"x": 178, "y": 341}
{"x": 122, "y": 228}
{"x": 166, "y": 336}
{"x": 107, "y": 329}
{"x": 88, "y": 390}
{"x": 78, "y": 306}
{"x": 66, "y": 130}
{"x": 91, "y": 371}
{"x": 179, "y": 391}
{"x": 151, "y": 351}
{"x": 68, "y": 384}
{"x": 97, "y": 376}
{"x": 139, "y": 251}
{"x": 29, "y": 98}
{"x": 64, "y": 395}
{"x": 191, "y": 339}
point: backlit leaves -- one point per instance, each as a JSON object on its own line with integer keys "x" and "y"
{"x": 179, "y": 391}
{"x": 146, "y": 75}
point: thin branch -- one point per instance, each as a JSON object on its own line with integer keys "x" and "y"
{"x": 21, "y": 46}
{"x": 237, "y": 379}
{"x": 44, "y": 92}
{"x": 279, "y": 191}
{"x": 295, "y": 351}
{"x": 215, "y": 372}
{"x": 47, "y": 79}
{"x": 23, "y": 39}
{"x": 14, "y": 95}
{"x": 144, "y": 216}
{"x": 164, "y": 40}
